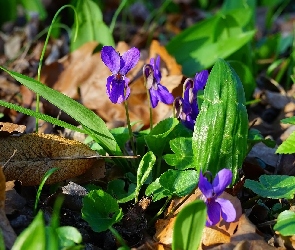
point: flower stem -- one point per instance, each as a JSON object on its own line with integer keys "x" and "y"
{"x": 160, "y": 211}
{"x": 44, "y": 50}
{"x": 158, "y": 167}
{"x": 114, "y": 19}
{"x": 118, "y": 237}
{"x": 129, "y": 128}
{"x": 151, "y": 110}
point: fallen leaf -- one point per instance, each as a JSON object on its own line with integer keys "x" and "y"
{"x": 28, "y": 157}
{"x": 218, "y": 234}
{"x": 164, "y": 230}
{"x": 7, "y": 128}
{"x": 7, "y": 231}
{"x": 222, "y": 231}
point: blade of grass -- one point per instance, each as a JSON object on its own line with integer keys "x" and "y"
{"x": 43, "y": 117}
{"x": 46, "y": 176}
{"x": 43, "y": 53}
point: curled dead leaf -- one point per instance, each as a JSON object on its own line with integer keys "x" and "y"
{"x": 28, "y": 157}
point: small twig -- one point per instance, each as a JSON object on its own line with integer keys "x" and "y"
{"x": 267, "y": 223}
{"x": 9, "y": 158}
{"x": 84, "y": 157}
{"x": 180, "y": 204}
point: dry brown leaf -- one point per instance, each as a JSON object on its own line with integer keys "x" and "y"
{"x": 7, "y": 128}
{"x": 28, "y": 157}
{"x": 220, "y": 233}
{"x": 8, "y": 233}
{"x": 164, "y": 230}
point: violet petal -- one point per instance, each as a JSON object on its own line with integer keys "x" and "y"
{"x": 186, "y": 107}
{"x": 110, "y": 58}
{"x": 164, "y": 95}
{"x": 205, "y": 186}
{"x": 130, "y": 59}
{"x": 221, "y": 181}
{"x": 200, "y": 80}
{"x": 153, "y": 97}
{"x": 116, "y": 90}
{"x": 213, "y": 211}
{"x": 189, "y": 122}
{"x": 228, "y": 211}
{"x": 157, "y": 70}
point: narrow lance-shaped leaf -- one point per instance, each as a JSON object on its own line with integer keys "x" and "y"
{"x": 90, "y": 25}
{"x": 188, "y": 227}
{"x": 145, "y": 167}
{"x": 84, "y": 116}
{"x": 220, "y": 136}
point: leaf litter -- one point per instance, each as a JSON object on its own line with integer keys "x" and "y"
{"x": 65, "y": 71}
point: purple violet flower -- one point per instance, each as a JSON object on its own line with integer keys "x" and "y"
{"x": 157, "y": 91}
{"x": 117, "y": 84}
{"x": 186, "y": 107}
{"x": 216, "y": 205}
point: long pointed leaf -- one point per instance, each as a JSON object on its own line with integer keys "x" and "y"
{"x": 221, "y": 129}
{"x": 77, "y": 111}
{"x": 41, "y": 116}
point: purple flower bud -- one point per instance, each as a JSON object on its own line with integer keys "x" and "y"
{"x": 157, "y": 91}
{"x": 215, "y": 205}
{"x": 117, "y": 84}
{"x": 189, "y": 104}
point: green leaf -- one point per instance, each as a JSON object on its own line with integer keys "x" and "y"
{"x": 48, "y": 173}
{"x": 2, "y": 243}
{"x": 183, "y": 157}
{"x": 90, "y": 121}
{"x": 157, "y": 139}
{"x": 179, "y": 183}
{"x": 145, "y": 167}
{"x": 156, "y": 190}
{"x": 273, "y": 186}
{"x": 205, "y": 42}
{"x": 246, "y": 76}
{"x": 117, "y": 189}
{"x": 43, "y": 117}
{"x": 188, "y": 227}
{"x": 221, "y": 129}
{"x": 140, "y": 141}
{"x": 34, "y": 6}
{"x": 90, "y": 25}
{"x": 254, "y": 137}
{"x": 100, "y": 210}
{"x": 290, "y": 120}
{"x": 288, "y": 146}
{"x": 121, "y": 135}
{"x": 33, "y": 237}
{"x": 285, "y": 223}
{"x": 51, "y": 233}
{"x": 68, "y": 236}
{"x": 10, "y": 12}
